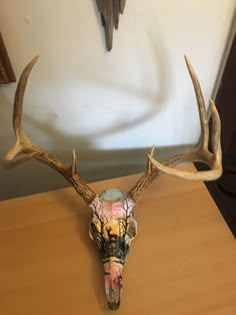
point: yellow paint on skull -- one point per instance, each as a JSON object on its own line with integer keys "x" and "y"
{"x": 113, "y": 227}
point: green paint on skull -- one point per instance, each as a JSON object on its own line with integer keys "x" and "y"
{"x": 112, "y": 195}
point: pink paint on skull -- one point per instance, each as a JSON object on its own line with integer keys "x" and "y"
{"x": 113, "y": 283}
{"x": 112, "y": 209}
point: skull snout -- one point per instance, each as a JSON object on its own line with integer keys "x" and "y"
{"x": 113, "y": 283}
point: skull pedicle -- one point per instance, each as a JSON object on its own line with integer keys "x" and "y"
{"x": 112, "y": 228}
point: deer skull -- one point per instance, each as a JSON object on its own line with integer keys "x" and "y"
{"x": 112, "y": 228}
{"x": 113, "y": 224}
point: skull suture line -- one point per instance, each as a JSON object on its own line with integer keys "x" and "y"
{"x": 112, "y": 228}
{"x": 113, "y": 224}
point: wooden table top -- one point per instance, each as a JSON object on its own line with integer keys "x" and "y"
{"x": 183, "y": 260}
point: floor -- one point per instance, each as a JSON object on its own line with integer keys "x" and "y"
{"x": 224, "y": 201}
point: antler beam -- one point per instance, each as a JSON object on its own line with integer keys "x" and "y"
{"x": 200, "y": 154}
{"x": 24, "y": 149}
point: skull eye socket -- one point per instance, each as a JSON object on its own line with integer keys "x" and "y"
{"x": 132, "y": 229}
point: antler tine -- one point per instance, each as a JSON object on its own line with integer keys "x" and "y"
{"x": 19, "y": 96}
{"x": 204, "y": 139}
{"x": 12, "y": 157}
{"x": 216, "y": 129}
{"x": 201, "y": 153}
{"x": 24, "y": 149}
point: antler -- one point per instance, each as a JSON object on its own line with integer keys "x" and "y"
{"x": 24, "y": 149}
{"x": 200, "y": 153}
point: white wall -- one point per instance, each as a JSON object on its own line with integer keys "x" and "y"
{"x": 79, "y": 95}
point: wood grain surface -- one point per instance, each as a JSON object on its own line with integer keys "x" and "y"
{"x": 183, "y": 260}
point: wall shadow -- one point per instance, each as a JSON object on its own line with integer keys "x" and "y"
{"x": 32, "y": 177}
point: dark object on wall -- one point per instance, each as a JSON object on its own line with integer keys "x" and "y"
{"x": 7, "y": 74}
{"x": 110, "y": 11}
{"x": 226, "y": 98}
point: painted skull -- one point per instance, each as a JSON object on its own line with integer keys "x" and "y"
{"x": 112, "y": 228}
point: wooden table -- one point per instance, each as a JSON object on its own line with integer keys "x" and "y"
{"x": 182, "y": 262}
